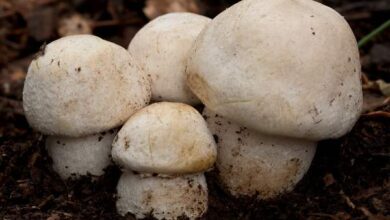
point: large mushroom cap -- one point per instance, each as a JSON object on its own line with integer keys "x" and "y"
{"x": 281, "y": 67}
{"x": 81, "y": 85}
{"x": 75, "y": 157}
{"x": 162, "y": 47}
{"x": 253, "y": 164}
{"x": 165, "y": 138}
{"x": 162, "y": 198}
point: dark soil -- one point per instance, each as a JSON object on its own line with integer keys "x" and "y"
{"x": 349, "y": 177}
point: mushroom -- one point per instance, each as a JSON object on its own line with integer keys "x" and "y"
{"x": 280, "y": 67}
{"x": 170, "y": 146}
{"x": 161, "y": 49}
{"x": 77, "y": 87}
{"x": 289, "y": 72}
{"x": 75, "y": 157}
{"x": 253, "y": 164}
{"x": 82, "y": 85}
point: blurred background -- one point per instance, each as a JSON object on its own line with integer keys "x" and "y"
{"x": 27, "y": 24}
{"x": 349, "y": 176}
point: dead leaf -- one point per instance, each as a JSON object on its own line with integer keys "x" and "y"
{"x": 155, "y": 8}
{"x": 373, "y": 100}
{"x": 74, "y": 24}
{"x": 343, "y": 216}
{"x": 54, "y": 216}
{"x": 384, "y": 87}
{"x": 328, "y": 179}
{"x": 378, "y": 205}
{"x": 378, "y": 114}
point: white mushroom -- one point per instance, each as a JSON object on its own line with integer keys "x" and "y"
{"x": 281, "y": 67}
{"x": 163, "y": 198}
{"x": 167, "y": 141}
{"x": 165, "y": 138}
{"x": 254, "y": 164}
{"x": 82, "y": 85}
{"x": 75, "y": 157}
{"x": 161, "y": 49}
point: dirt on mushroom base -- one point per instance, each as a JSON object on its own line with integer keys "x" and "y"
{"x": 348, "y": 179}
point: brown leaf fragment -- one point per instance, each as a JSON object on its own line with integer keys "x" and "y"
{"x": 384, "y": 87}
{"x": 373, "y": 100}
{"x": 155, "y": 8}
{"x": 74, "y": 24}
{"x": 328, "y": 179}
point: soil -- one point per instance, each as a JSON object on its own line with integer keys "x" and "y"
{"x": 349, "y": 177}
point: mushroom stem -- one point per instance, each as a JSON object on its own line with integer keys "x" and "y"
{"x": 254, "y": 164}
{"x": 75, "y": 157}
{"x": 162, "y": 197}
{"x": 263, "y": 170}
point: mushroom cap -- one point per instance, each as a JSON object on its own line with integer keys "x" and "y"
{"x": 81, "y": 85}
{"x": 254, "y": 164}
{"x": 165, "y": 138}
{"x": 75, "y": 157}
{"x": 281, "y": 67}
{"x": 162, "y": 198}
{"x": 161, "y": 49}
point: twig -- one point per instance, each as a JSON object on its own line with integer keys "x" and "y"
{"x": 347, "y": 200}
{"x": 365, "y": 212}
{"x": 357, "y": 16}
{"x": 107, "y": 23}
{"x": 374, "y": 33}
{"x": 323, "y": 215}
{"x": 378, "y": 114}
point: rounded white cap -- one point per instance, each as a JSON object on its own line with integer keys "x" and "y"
{"x": 162, "y": 198}
{"x": 165, "y": 138}
{"x": 281, "y": 67}
{"x": 82, "y": 85}
{"x": 253, "y": 164}
{"x": 75, "y": 157}
{"x": 161, "y": 49}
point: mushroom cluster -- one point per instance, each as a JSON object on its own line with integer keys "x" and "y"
{"x": 275, "y": 77}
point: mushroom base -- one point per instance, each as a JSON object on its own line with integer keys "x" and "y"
{"x": 262, "y": 171}
{"x": 253, "y": 164}
{"x": 162, "y": 198}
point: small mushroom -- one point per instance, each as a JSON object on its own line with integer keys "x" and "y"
{"x": 253, "y": 164}
{"x": 169, "y": 144}
{"x": 161, "y": 49}
{"x": 280, "y": 67}
{"x": 82, "y": 85}
{"x": 75, "y": 157}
